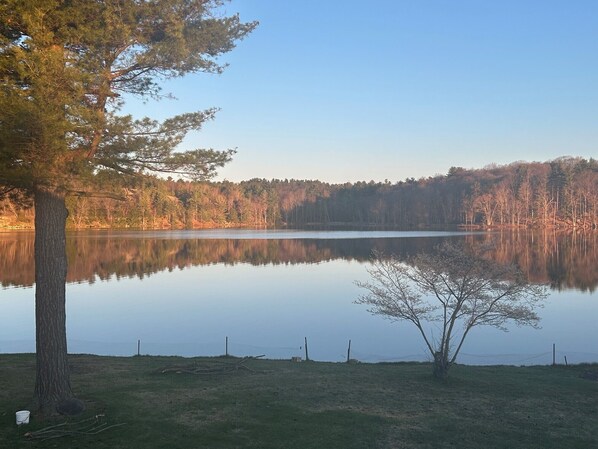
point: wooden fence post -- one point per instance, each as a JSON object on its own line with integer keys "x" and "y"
{"x": 306, "y": 353}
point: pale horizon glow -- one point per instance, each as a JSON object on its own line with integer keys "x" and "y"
{"x": 345, "y": 92}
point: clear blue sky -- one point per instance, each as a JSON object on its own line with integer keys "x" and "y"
{"x": 352, "y": 90}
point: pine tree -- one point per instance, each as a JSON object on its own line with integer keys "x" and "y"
{"x": 64, "y": 67}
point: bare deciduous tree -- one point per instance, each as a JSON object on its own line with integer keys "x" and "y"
{"x": 453, "y": 290}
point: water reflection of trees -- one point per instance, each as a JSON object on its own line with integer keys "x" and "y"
{"x": 563, "y": 260}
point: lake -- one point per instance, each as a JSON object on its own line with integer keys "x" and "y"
{"x": 185, "y": 292}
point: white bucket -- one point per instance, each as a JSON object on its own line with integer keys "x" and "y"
{"x": 22, "y": 417}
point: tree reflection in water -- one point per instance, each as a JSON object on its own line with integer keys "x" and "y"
{"x": 563, "y": 260}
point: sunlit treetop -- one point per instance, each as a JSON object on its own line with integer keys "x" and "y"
{"x": 64, "y": 66}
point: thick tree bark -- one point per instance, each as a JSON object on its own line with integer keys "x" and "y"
{"x": 441, "y": 366}
{"x": 52, "y": 384}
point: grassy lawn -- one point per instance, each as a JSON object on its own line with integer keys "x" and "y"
{"x": 281, "y": 404}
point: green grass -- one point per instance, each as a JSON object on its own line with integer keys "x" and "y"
{"x": 281, "y": 404}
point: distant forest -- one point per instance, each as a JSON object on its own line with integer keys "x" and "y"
{"x": 562, "y": 193}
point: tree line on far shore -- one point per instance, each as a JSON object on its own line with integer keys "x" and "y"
{"x": 562, "y": 193}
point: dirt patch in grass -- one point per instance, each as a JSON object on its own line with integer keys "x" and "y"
{"x": 196, "y": 419}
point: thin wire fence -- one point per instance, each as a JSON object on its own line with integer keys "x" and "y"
{"x": 227, "y": 346}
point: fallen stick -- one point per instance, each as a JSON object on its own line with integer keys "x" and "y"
{"x": 217, "y": 367}
{"x": 90, "y": 426}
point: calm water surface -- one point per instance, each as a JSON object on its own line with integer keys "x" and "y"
{"x": 183, "y": 292}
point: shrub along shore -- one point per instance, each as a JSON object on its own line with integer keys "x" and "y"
{"x": 172, "y": 402}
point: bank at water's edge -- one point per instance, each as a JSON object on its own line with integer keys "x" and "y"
{"x": 155, "y": 402}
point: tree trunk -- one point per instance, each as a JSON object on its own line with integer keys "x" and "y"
{"x": 441, "y": 365}
{"x": 52, "y": 383}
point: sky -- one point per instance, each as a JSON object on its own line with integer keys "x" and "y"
{"x": 346, "y": 91}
